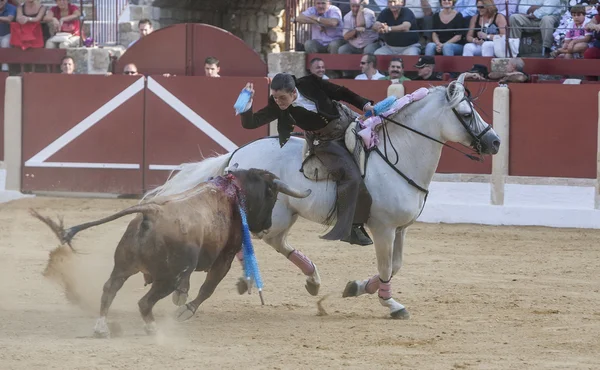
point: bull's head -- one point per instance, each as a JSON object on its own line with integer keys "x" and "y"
{"x": 261, "y": 189}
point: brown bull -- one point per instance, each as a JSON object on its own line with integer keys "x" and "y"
{"x": 174, "y": 235}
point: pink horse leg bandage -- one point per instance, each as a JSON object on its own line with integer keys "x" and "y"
{"x": 302, "y": 262}
{"x": 385, "y": 290}
{"x": 372, "y": 284}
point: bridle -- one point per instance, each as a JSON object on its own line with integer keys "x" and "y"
{"x": 468, "y": 125}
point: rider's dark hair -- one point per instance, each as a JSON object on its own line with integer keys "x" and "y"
{"x": 283, "y": 82}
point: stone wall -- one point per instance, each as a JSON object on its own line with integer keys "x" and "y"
{"x": 259, "y": 23}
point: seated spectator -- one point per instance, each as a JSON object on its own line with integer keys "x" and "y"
{"x": 501, "y": 6}
{"x": 211, "y": 67}
{"x": 393, "y": 23}
{"x": 326, "y": 27}
{"x": 130, "y": 69}
{"x": 566, "y": 18}
{"x": 67, "y": 66}
{"x": 423, "y": 11}
{"x": 368, "y": 66}
{"x": 358, "y": 32}
{"x": 67, "y": 26}
{"x": 487, "y": 24}
{"x": 145, "y": 28}
{"x": 577, "y": 36}
{"x": 593, "y": 52}
{"x": 396, "y": 71}
{"x": 478, "y": 72}
{"x": 467, "y": 8}
{"x": 425, "y": 65}
{"x": 27, "y": 31}
{"x": 542, "y": 14}
{"x": 514, "y": 72}
{"x": 447, "y": 43}
{"x": 317, "y": 68}
{"x": 8, "y": 12}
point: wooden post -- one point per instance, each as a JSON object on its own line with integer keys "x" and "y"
{"x": 500, "y": 162}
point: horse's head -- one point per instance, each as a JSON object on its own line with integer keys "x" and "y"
{"x": 464, "y": 125}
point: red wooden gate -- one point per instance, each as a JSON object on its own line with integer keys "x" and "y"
{"x": 178, "y": 112}
{"x": 78, "y": 138}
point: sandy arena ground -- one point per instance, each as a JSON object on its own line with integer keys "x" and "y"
{"x": 480, "y": 298}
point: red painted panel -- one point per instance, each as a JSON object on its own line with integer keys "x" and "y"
{"x": 452, "y": 161}
{"x": 116, "y": 138}
{"x": 553, "y": 130}
{"x": 236, "y": 58}
{"x": 162, "y": 51}
{"x": 171, "y": 139}
{"x": 3, "y": 76}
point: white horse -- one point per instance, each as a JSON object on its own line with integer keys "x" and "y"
{"x": 446, "y": 113}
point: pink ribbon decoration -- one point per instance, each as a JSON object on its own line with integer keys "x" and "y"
{"x": 371, "y": 124}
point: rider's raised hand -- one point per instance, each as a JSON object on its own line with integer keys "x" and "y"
{"x": 250, "y": 87}
{"x": 369, "y": 108}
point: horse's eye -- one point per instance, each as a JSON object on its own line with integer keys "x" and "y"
{"x": 467, "y": 115}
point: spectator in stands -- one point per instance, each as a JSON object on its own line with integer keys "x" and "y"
{"x": 396, "y": 71}
{"x": 534, "y": 13}
{"x": 375, "y": 5}
{"x": 447, "y": 43}
{"x": 211, "y": 67}
{"x": 27, "y": 31}
{"x": 8, "y": 12}
{"x": 482, "y": 30}
{"x": 358, "y": 32}
{"x": 394, "y": 23}
{"x": 566, "y": 19}
{"x": 593, "y": 52}
{"x": 425, "y": 65}
{"x": 130, "y": 69}
{"x": 423, "y": 11}
{"x": 368, "y": 66}
{"x": 67, "y": 66}
{"x": 577, "y": 36}
{"x": 478, "y": 72}
{"x": 326, "y": 27}
{"x": 514, "y": 72}
{"x": 317, "y": 68}
{"x": 501, "y": 6}
{"x": 145, "y": 28}
{"x": 468, "y": 8}
{"x": 67, "y": 27}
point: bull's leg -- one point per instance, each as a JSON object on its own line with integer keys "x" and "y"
{"x": 116, "y": 280}
{"x": 214, "y": 276}
{"x": 356, "y": 288}
{"x": 161, "y": 287}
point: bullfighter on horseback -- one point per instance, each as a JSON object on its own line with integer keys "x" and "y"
{"x": 312, "y": 104}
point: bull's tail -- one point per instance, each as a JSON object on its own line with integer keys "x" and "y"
{"x": 191, "y": 174}
{"x": 65, "y": 236}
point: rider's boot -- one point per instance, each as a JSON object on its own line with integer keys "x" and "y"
{"x": 358, "y": 235}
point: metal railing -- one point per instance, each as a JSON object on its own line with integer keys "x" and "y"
{"x": 105, "y": 21}
{"x": 297, "y": 33}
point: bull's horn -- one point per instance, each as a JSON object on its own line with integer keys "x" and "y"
{"x": 284, "y": 188}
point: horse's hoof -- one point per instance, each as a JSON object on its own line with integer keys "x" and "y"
{"x": 101, "y": 329}
{"x": 400, "y": 314}
{"x": 312, "y": 288}
{"x": 351, "y": 289}
{"x": 183, "y": 313}
{"x": 150, "y": 328}
{"x": 101, "y": 334}
{"x": 242, "y": 286}
{"x": 179, "y": 298}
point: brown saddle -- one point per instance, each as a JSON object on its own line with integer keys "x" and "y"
{"x": 315, "y": 170}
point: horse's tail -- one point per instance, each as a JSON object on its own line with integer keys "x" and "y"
{"x": 191, "y": 174}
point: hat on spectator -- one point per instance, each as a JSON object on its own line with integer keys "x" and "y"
{"x": 425, "y": 60}
{"x": 479, "y": 68}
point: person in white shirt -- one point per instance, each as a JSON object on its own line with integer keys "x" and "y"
{"x": 145, "y": 28}
{"x": 544, "y": 14}
{"x": 317, "y": 68}
{"x": 368, "y": 66}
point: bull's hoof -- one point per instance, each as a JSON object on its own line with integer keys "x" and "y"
{"x": 401, "y": 314}
{"x": 242, "y": 286}
{"x": 351, "y": 290}
{"x": 150, "y": 328}
{"x": 179, "y": 298}
{"x": 184, "y": 313}
{"x": 312, "y": 288}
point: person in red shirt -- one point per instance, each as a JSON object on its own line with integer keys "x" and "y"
{"x": 65, "y": 19}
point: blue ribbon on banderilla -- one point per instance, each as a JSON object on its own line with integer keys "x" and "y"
{"x": 251, "y": 271}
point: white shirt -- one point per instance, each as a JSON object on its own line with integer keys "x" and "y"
{"x": 376, "y": 76}
{"x": 303, "y": 102}
{"x": 417, "y": 9}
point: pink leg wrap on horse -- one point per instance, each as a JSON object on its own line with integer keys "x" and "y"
{"x": 385, "y": 290}
{"x": 240, "y": 257}
{"x": 372, "y": 284}
{"x": 302, "y": 262}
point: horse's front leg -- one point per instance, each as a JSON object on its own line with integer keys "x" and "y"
{"x": 386, "y": 240}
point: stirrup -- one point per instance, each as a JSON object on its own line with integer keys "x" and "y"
{"x": 359, "y": 236}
